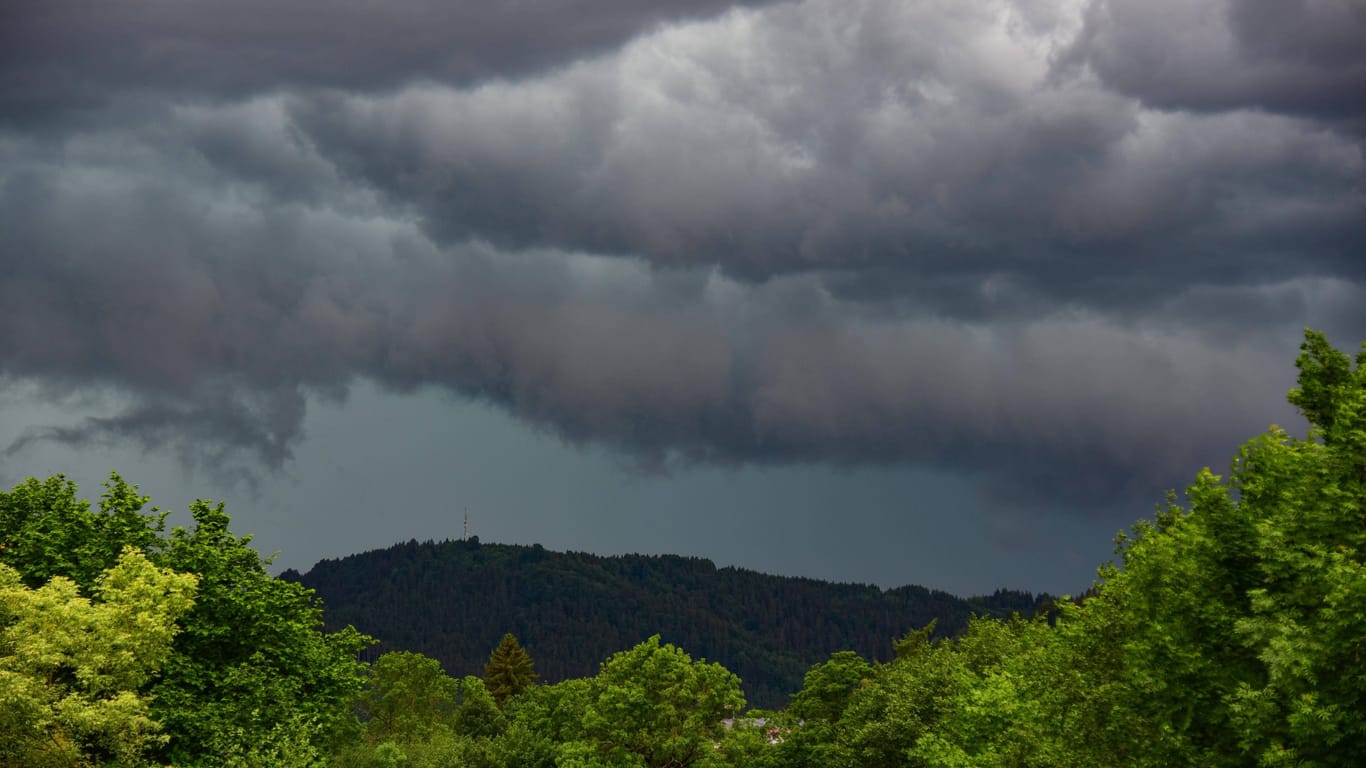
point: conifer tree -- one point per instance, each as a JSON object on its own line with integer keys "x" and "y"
{"x": 509, "y": 670}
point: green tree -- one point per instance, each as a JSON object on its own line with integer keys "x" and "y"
{"x": 253, "y": 674}
{"x": 1231, "y": 633}
{"x": 654, "y": 706}
{"x": 1305, "y": 620}
{"x": 252, "y": 678}
{"x": 997, "y": 691}
{"x": 1164, "y": 622}
{"x": 1228, "y": 635}
{"x": 827, "y": 687}
{"x": 72, "y": 669}
{"x": 903, "y": 701}
{"x": 540, "y": 721}
{"x": 419, "y": 717}
{"x": 408, "y": 698}
{"x": 476, "y": 713}
{"x": 46, "y": 531}
{"x": 809, "y": 726}
{"x": 509, "y": 670}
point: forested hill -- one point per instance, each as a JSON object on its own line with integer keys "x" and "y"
{"x": 453, "y": 600}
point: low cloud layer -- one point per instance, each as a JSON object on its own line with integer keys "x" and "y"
{"x": 989, "y": 238}
{"x": 66, "y": 57}
{"x": 1301, "y": 58}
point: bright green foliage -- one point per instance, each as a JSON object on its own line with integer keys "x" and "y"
{"x": 809, "y": 724}
{"x": 251, "y": 679}
{"x": 1307, "y": 616}
{"x": 828, "y": 686}
{"x": 46, "y": 531}
{"x": 754, "y": 741}
{"x": 509, "y": 670}
{"x": 443, "y": 751}
{"x": 1329, "y": 390}
{"x": 251, "y": 657}
{"x": 408, "y": 698}
{"x": 477, "y": 714}
{"x": 418, "y": 716}
{"x": 541, "y": 719}
{"x": 1230, "y": 634}
{"x": 287, "y": 744}
{"x": 1077, "y": 701}
{"x": 1235, "y": 626}
{"x": 654, "y": 706}
{"x": 1165, "y": 625}
{"x": 71, "y": 668}
{"x": 996, "y": 710}
{"x": 905, "y": 700}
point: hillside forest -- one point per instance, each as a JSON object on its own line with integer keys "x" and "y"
{"x": 1228, "y": 631}
{"x": 453, "y": 600}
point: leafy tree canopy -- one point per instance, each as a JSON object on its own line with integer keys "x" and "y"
{"x": 654, "y": 706}
{"x": 408, "y": 698}
{"x": 1229, "y": 633}
{"x": 252, "y": 654}
{"x": 251, "y": 676}
{"x": 73, "y": 669}
{"x": 46, "y": 531}
{"x": 828, "y": 686}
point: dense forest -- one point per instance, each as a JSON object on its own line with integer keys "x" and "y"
{"x": 453, "y": 600}
{"x": 1229, "y": 633}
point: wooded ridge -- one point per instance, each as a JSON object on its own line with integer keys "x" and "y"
{"x": 453, "y": 600}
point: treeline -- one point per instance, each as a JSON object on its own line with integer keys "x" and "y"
{"x": 122, "y": 643}
{"x": 1231, "y": 633}
{"x": 453, "y": 600}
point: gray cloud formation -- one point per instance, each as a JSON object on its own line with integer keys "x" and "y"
{"x": 230, "y": 430}
{"x": 1299, "y": 57}
{"x": 807, "y": 232}
{"x": 885, "y": 153}
{"x": 214, "y": 318}
{"x": 63, "y": 55}
{"x": 671, "y": 152}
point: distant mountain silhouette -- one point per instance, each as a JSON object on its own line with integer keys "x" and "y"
{"x": 453, "y": 600}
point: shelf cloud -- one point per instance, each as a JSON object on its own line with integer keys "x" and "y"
{"x": 1066, "y": 247}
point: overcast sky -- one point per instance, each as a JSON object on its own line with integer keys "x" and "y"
{"x": 916, "y": 291}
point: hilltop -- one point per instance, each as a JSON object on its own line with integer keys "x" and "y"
{"x": 453, "y": 600}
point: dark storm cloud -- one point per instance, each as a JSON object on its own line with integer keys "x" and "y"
{"x": 762, "y": 147}
{"x": 1300, "y": 57}
{"x": 215, "y": 339}
{"x": 228, "y": 430}
{"x": 810, "y": 233}
{"x": 57, "y": 55}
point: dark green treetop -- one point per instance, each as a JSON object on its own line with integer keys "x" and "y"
{"x": 509, "y": 670}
